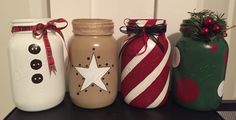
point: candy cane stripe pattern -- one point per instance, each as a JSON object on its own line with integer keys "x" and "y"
{"x": 145, "y": 77}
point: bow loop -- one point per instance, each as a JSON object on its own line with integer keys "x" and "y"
{"x": 38, "y": 29}
{"x": 60, "y": 20}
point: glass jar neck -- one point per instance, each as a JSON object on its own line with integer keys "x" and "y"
{"x": 25, "y": 26}
{"x": 93, "y": 26}
{"x": 29, "y": 22}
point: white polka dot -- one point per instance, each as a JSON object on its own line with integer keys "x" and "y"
{"x": 220, "y": 89}
{"x": 176, "y": 58}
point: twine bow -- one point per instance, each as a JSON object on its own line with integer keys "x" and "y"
{"x": 146, "y": 32}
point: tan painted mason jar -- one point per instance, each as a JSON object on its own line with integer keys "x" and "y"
{"x": 93, "y": 70}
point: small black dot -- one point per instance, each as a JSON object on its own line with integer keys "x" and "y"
{"x": 102, "y": 78}
{"x": 83, "y": 78}
{"x": 106, "y": 83}
{"x": 99, "y": 65}
{"x": 72, "y": 65}
{"x": 100, "y": 90}
{"x": 109, "y": 92}
{"x": 92, "y": 85}
{"x": 98, "y": 57}
{"x": 106, "y": 64}
{"x": 88, "y": 58}
{"x": 108, "y": 72}
{"x": 93, "y": 48}
{"x": 79, "y": 65}
{"x": 77, "y": 93}
{"x": 112, "y": 65}
{"x": 86, "y": 91}
{"x": 87, "y": 66}
{"x": 79, "y": 86}
{"x": 77, "y": 73}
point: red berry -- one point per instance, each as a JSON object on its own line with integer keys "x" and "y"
{"x": 216, "y": 28}
{"x": 208, "y": 21}
{"x": 204, "y": 31}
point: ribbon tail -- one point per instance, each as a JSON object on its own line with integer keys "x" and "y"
{"x": 145, "y": 39}
{"x": 51, "y": 62}
{"x": 52, "y": 68}
{"x": 157, "y": 42}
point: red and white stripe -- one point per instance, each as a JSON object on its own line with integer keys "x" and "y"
{"x": 145, "y": 77}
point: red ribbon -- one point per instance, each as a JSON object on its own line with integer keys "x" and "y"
{"x": 40, "y": 30}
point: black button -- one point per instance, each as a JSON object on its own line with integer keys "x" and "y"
{"x": 34, "y": 49}
{"x": 37, "y": 78}
{"x": 36, "y": 64}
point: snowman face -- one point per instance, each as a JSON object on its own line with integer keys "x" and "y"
{"x": 36, "y": 64}
{"x": 34, "y": 49}
{"x": 37, "y": 78}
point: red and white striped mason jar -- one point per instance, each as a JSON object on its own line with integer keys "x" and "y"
{"x": 145, "y": 63}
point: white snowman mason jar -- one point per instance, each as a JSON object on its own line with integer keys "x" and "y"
{"x": 37, "y": 63}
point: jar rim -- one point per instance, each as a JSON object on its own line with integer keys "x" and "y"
{"x": 29, "y": 22}
{"x": 91, "y": 21}
{"x": 95, "y": 26}
{"x": 142, "y": 22}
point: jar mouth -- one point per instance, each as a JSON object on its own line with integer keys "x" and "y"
{"x": 29, "y": 22}
{"x": 87, "y": 26}
{"x": 91, "y": 21}
{"x": 143, "y": 22}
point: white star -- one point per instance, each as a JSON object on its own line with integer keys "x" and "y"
{"x": 93, "y": 74}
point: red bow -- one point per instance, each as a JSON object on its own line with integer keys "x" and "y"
{"x": 41, "y": 31}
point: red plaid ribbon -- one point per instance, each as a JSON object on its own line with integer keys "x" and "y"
{"x": 40, "y": 30}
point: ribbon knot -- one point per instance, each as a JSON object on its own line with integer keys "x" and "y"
{"x": 40, "y": 30}
{"x": 134, "y": 31}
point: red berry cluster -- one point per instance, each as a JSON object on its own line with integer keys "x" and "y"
{"x": 209, "y": 26}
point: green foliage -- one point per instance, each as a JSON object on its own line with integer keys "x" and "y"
{"x": 197, "y": 18}
{"x": 198, "y": 28}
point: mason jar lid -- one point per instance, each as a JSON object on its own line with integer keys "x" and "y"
{"x": 29, "y": 22}
{"x": 93, "y": 26}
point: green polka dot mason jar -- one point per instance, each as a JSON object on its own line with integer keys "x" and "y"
{"x": 199, "y": 62}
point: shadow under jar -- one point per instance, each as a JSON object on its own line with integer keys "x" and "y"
{"x": 93, "y": 66}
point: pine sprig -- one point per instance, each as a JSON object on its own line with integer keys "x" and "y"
{"x": 205, "y": 24}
